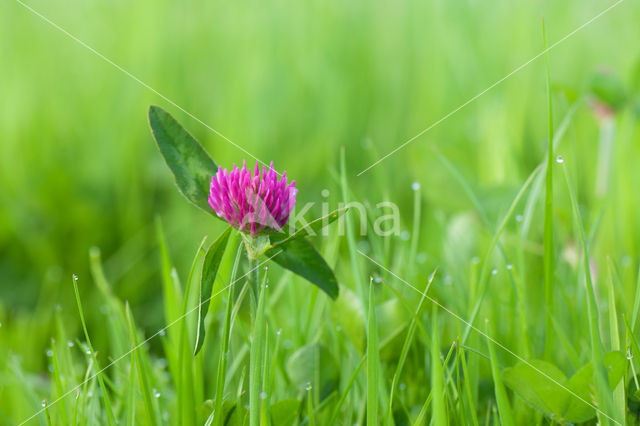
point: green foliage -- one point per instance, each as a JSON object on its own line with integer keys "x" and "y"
{"x": 209, "y": 272}
{"x": 546, "y": 388}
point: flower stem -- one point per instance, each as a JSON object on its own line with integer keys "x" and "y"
{"x": 257, "y": 344}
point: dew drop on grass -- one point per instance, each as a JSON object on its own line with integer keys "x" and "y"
{"x": 559, "y": 159}
{"x": 519, "y": 218}
{"x": 263, "y": 395}
{"x": 494, "y": 272}
{"x": 308, "y": 386}
{"x": 402, "y": 386}
{"x": 377, "y": 280}
{"x": 415, "y": 186}
{"x": 405, "y": 235}
{"x": 70, "y": 343}
{"x": 75, "y": 277}
{"x": 325, "y": 193}
{"x": 44, "y": 403}
{"x": 50, "y": 368}
{"x": 509, "y": 267}
{"x": 89, "y": 394}
{"x": 156, "y": 393}
{"x": 279, "y": 332}
{"x": 162, "y": 332}
{"x": 49, "y": 353}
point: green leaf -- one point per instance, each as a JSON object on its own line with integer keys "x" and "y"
{"x": 551, "y": 398}
{"x": 312, "y": 228}
{"x": 582, "y": 384}
{"x": 209, "y": 271}
{"x": 536, "y": 389}
{"x": 285, "y": 412}
{"x": 316, "y": 365}
{"x": 190, "y": 164}
{"x": 300, "y": 257}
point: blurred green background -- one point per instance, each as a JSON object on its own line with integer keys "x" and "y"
{"x": 293, "y": 82}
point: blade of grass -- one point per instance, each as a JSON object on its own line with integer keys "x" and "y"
{"x": 408, "y": 341}
{"x": 143, "y": 376}
{"x": 502, "y": 400}
{"x": 619, "y": 399}
{"x": 437, "y": 389}
{"x": 373, "y": 360}
{"x": 548, "y": 254}
{"x": 111, "y": 421}
{"x": 224, "y": 349}
{"x": 603, "y": 391}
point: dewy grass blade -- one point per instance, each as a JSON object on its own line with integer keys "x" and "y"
{"x": 603, "y": 391}
{"x": 502, "y": 400}
{"x": 437, "y": 373}
{"x": 373, "y": 360}
{"x": 105, "y": 395}
{"x": 548, "y": 258}
{"x": 486, "y": 336}
{"x": 619, "y": 398}
{"x": 224, "y": 345}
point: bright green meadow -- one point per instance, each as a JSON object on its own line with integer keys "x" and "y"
{"x": 509, "y": 294}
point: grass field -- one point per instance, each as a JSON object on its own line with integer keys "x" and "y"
{"x": 482, "y": 309}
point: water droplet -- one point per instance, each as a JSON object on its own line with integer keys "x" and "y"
{"x": 174, "y": 273}
{"x": 509, "y": 267}
{"x": 308, "y": 386}
{"x": 377, "y": 280}
{"x": 44, "y": 403}
{"x": 629, "y": 354}
{"x": 421, "y": 257}
{"x": 519, "y": 218}
{"x": 279, "y": 332}
{"x": 70, "y": 343}
{"x": 405, "y": 235}
{"x": 50, "y": 368}
{"x": 0, "y": 324}
{"x": 156, "y": 393}
{"x": 263, "y": 395}
{"x": 325, "y": 193}
{"x": 402, "y": 386}
{"x": 559, "y": 159}
{"x": 415, "y": 186}
{"x": 49, "y": 353}
{"x": 494, "y": 272}
{"x": 162, "y": 332}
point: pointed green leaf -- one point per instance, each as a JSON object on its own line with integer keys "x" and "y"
{"x": 300, "y": 257}
{"x": 582, "y": 384}
{"x": 209, "y": 271}
{"x": 537, "y": 390}
{"x": 190, "y": 164}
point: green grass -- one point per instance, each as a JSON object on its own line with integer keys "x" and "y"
{"x": 324, "y": 89}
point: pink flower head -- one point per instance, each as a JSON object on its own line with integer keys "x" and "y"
{"x": 252, "y": 202}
